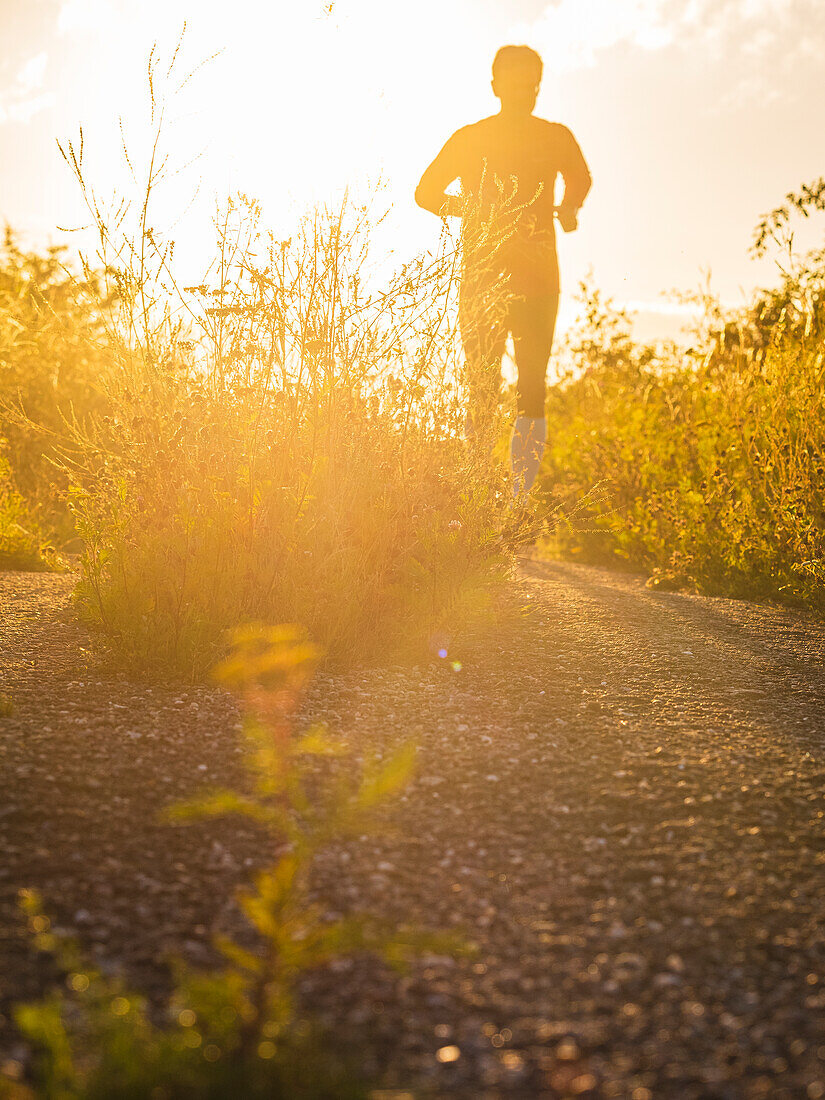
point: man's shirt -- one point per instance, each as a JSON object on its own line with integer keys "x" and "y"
{"x": 508, "y": 170}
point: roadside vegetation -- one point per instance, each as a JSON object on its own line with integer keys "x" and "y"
{"x": 51, "y": 361}
{"x": 704, "y": 468}
{"x": 284, "y": 440}
{"x": 281, "y": 442}
{"x": 281, "y": 446}
{"x": 277, "y": 444}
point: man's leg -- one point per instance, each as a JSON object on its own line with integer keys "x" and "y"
{"x": 533, "y": 323}
{"x": 481, "y": 318}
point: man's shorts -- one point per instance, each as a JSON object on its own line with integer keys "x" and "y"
{"x": 489, "y": 311}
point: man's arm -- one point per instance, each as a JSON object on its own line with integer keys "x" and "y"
{"x": 431, "y": 191}
{"x": 577, "y": 182}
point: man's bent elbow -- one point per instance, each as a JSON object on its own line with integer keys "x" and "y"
{"x": 424, "y": 199}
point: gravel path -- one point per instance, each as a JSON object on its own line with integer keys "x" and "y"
{"x": 619, "y": 798}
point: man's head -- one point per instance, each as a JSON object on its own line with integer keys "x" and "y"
{"x": 516, "y": 78}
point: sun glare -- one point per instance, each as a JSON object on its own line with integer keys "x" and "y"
{"x": 315, "y": 102}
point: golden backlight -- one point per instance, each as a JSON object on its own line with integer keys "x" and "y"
{"x": 305, "y": 99}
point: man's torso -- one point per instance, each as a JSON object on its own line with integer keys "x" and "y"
{"x": 508, "y": 172}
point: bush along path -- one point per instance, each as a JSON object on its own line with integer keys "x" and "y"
{"x": 618, "y": 798}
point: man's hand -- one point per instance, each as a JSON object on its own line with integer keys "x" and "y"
{"x": 568, "y": 219}
{"x": 438, "y": 202}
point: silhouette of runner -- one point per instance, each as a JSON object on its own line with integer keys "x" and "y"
{"x": 508, "y": 165}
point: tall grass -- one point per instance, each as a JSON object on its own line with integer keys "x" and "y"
{"x": 707, "y": 473}
{"x": 284, "y": 440}
{"x": 280, "y": 443}
{"x": 50, "y": 362}
{"x": 22, "y": 543}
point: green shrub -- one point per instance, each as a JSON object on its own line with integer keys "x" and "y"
{"x": 52, "y": 356}
{"x": 22, "y": 544}
{"x": 708, "y": 473}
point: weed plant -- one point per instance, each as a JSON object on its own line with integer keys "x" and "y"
{"x": 236, "y": 1030}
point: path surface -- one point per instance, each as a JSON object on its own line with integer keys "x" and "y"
{"x": 619, "y": 797}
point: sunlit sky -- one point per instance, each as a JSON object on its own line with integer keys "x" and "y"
{"x": 695, "y": 116}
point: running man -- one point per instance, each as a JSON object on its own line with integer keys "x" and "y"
{"x": 508, "y": 165}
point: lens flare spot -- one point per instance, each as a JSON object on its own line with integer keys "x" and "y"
{"x": 448, "y": 1054}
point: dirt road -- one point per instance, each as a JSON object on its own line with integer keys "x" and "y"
{"x": 619, "y": 798}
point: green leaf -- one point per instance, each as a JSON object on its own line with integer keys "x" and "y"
{"x": 318, "y": 742}
{"x": 43, "y": 1025}
{"x": 216, "y": 804}
{"x": 238, "y": 955}
{"x": 381, "y": 782}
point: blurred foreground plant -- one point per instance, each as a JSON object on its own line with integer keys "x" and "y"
{"x": 234, "y": 1031}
